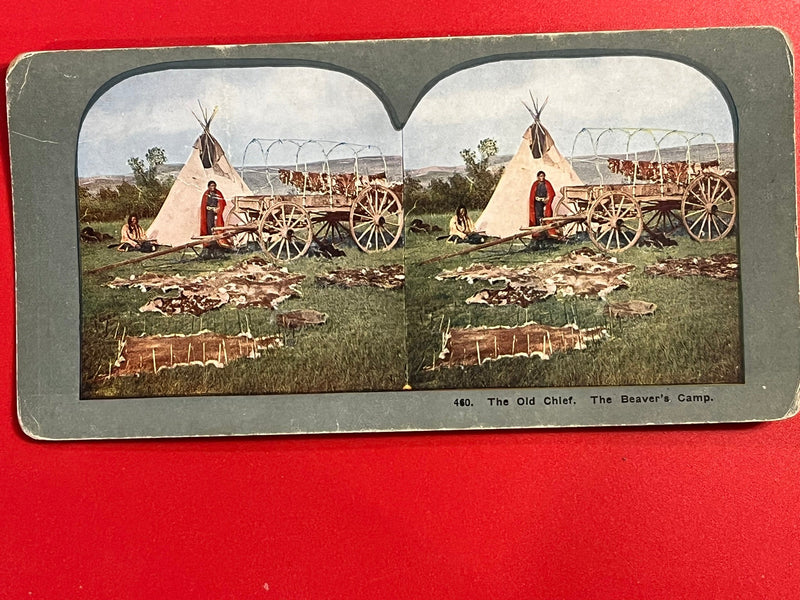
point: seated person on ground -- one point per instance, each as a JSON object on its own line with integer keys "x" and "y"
{"x": 133, "y": 237}
{"x": 462, "y": 229}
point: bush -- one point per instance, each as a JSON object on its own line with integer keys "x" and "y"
{"x": 143, "y": 199}
{"x": 472, "y": 190}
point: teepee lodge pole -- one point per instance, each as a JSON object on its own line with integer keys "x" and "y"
{"x": 551, "y": 223}
{"x": 146, "y": 256}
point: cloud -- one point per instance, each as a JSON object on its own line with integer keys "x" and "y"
{"x": 155, "y": 109}
{"x": 486, "y": 101}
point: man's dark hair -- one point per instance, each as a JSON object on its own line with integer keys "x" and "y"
{"x": 210, "y": 182}
{"x": 541, "y": 173}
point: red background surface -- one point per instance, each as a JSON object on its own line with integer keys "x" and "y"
{"x": 679, "y": 512}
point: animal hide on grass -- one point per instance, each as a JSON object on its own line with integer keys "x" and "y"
{"x": 631, "y": 308}
{"x": 582, "y": 272}
{"x": 153, "y": 354}
{"x": 389, "y": 277}
{"x": 718, "y": 266}
{"x": 303, "y": 317}
{"x": 476, "y": 345}
{"x": 254, "y": 282}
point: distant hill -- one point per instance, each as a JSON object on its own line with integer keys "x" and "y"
{"x": 255, "y": 178}
{"x": 254, "y": 175}
{"x": 587, "y": 168}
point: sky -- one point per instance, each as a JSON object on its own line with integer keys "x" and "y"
{"x": 155, "y": 109}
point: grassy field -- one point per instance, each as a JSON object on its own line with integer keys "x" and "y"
{"x": 378, "y": 339}
{"x": 694, "y": 336}
{"x": 361, "y": 347}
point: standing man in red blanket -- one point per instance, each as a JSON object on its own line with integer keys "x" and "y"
{"x": 211, "y": 209}
{"x": 541, "y": 200}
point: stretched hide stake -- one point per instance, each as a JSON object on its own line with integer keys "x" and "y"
{"x": 477, "y": 345}
{"x": 153, "y": 354}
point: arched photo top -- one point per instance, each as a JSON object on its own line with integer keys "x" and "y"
{"x": 159, "y": 109}
{"x": 495, "y": 100}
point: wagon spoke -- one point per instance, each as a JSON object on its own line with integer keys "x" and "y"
{"x": 361, "y": 237}
{"x": 383, "y": 237}
{"x": 611, "y": 208}
{"x": 714, "y": 221}
{"x": 623, "y": 207}
{"x": 713, "y": 195}
{"x": 383, "y": 203}
{"x": 299, "y": 248}
{"x": 275, "y": 243}
{"x": 294, "y": 221}
{"x": 391, "y": 218}
{"x": 607, "y": 231}
{"x": 702, "y": 223}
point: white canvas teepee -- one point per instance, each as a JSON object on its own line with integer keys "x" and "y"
{"x": 508, "y": 208}
{"x": 178, "y": 221}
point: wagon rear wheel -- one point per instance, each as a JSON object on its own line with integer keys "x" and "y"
{"x": 615, "y": 221}
{"x": 330, "y": 226}
{"x": 284, "y": 231}
{"x": 376, "y": 219}
{"x": 709, "y": 208}
{"x": 662, "y": 216}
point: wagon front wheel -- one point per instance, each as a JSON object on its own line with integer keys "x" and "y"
{"x": 614, "y": 221}
{"x": 284, "y": 231}
{"x": 570, "y": 207}
{"x": 376, "y": 219}
{"x": 247, "y": 218}
{"x": 708, "y": 208}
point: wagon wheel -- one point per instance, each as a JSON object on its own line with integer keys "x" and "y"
{"x": 284, "y": 231}
{"x": 247, "y": 218}
{"x": 376, "y": 219}
{"x": 615, "y": 221}
{"x": 662, "y": 216}
{"x": 329, "y": 226}
{"x": 570, "y": 207}
{"x": 709, "y": 208}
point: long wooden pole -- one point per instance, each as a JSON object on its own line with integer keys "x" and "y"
{"x": 148, "y": 255}
{"x": 552, "y": 222}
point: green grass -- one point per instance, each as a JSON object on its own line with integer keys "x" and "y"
{"x": 694, "y": 336}
{"x": 379, "y": 339}
{"x": 361, "y": 347}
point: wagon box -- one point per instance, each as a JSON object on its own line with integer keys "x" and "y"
{"x": 656, "y": 196}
